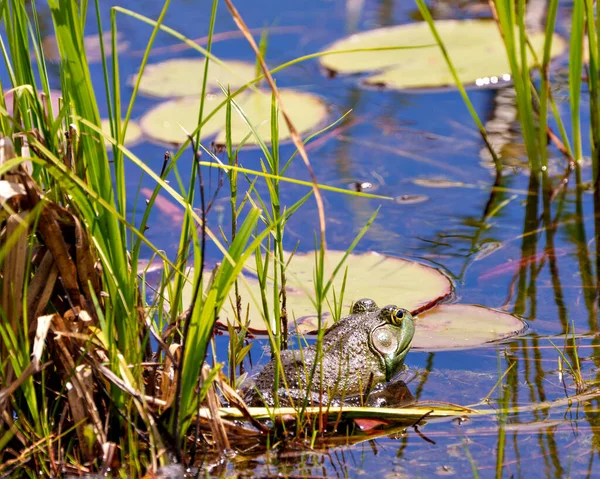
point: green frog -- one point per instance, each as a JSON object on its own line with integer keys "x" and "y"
{"x": 361, "y": 353}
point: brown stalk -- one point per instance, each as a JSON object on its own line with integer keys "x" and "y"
{"x": 85, "y": 262}
{"x": 236, "y": 400}
{"x": 126, "y": 387}
{"x": 77, "y": 401}
{"x": 82, "y": 399}
{"x": 41, "y": 286}
{"x": 14, "y": 267}
{"x": 53, "y": 238}
{"x": 168, "y": 380}
{"x": 216, "y": 424}
{"x": 293, "y": 132}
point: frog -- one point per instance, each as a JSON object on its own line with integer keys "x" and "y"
{"x": 361, "y": 353}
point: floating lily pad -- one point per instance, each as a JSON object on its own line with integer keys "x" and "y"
{"x": 461, "y": 326}
{"x": 133, "y": 135}
{"x": 385, "y": 279}
{"x": 164, "y": 123}
{"x": 474, "y": 46}
{"x": 411, "y": 285}
{"x": 183, "y": 77}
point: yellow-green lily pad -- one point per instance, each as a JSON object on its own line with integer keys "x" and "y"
{"x": 385, "y": 279}
{"x": 183, "y": 77}
{"x": 133, "y": 135}
{"x": 474, "y": 46}
{"x": 462, "y": 326}
{"x": 169, "y": 121}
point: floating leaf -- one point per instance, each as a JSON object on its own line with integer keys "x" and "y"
{"x": 183, "y": 77}
{"x": 385, "y": 279}
{"x": 474, "y": 46}
{"x": 133, "y": 135}
{"x": 460, "y": 326}
{"x": 164, "y": 123}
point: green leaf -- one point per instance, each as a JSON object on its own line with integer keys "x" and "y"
{"x": 183, "y": 77}
{"x": 461, "y": 326}
{"x": 475, "y": 47}
{"x": 385, "y": 279}
{"x": 164, "y": 123}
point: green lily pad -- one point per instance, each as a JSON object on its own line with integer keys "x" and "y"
{"x": 385, "y": 279}
{"x": 133, "y": 135}
{"x": 474, "y": 46}
{"x": 183, "y": 77}
{"x": 462, "y": 326}
{"x": 164, "y": 123}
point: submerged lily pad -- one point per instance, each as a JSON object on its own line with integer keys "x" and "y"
{"x": 133, "y": 135}
{"x": 164, "y": 123}
{"x": 183, "y": 77}
{"x": 474, "y": 46}
{"x": 460, "y": 326}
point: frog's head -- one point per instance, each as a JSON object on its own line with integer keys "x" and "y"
{"x": 391, "y": 336}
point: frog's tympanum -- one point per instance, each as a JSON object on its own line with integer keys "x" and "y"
{"x": 360, "y": 353}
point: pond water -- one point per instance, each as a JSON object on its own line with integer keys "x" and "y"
{"x": 509, "y": 261}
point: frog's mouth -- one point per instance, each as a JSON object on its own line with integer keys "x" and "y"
{"x": 394, "y": 363}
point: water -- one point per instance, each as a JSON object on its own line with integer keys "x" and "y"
{"x": 397, "y": 138}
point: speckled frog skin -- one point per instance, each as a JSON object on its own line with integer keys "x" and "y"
{"x": 360, "y": 351}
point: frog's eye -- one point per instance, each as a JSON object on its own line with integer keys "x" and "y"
{"x": 385, "y": 341}
{"x": 398, "y": 315}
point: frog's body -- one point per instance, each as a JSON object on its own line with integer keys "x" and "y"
{"x": 360, "y": 351}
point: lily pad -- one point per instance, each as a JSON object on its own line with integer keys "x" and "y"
{"x": 164, "y": 123}
{"x": 474, "y": 46}
{"x": 461, "y": 326}
{"x": 133, "y": 135}
{"x": 385, "y": 279}
{"x": 183, "y": 77}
